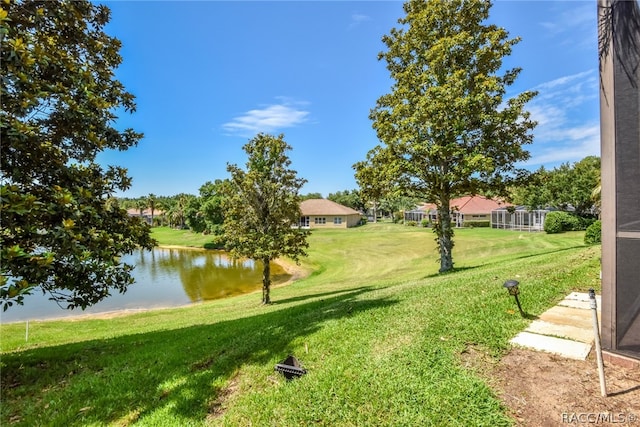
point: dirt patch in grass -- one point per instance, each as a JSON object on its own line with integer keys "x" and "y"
{"x": 542, "y": 389}
{"x": 292, "y": 269}
{"x": 217, "y": 408}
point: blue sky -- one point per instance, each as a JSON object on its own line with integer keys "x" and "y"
{"x": 209, "y": 75}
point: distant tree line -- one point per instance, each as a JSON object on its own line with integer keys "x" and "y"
{"x": 204, "y": 212}
{"x": 164, "y": 210}
{"x": 573, "y": 188}
{"x": 568, "y": 187}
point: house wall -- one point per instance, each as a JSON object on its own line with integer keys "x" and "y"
{"x": 620, "y": 148}
{"x": 329, "y": 221}
{"x": 145, "y": 217}
{"x": 477, "y": 217}
{"x": 457, "y": 218}
{"x": 353, "y": 220}
{"x": 460, "y": 218}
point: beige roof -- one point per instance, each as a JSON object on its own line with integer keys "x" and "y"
{"x": 325, "y": 207}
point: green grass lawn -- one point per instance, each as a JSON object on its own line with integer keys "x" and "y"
{"x": 379, "y": 331}
{"x": 167, "y": 236}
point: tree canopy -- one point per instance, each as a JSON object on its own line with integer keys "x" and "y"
{"x": 61, "y": 230}
{"x": 564, "y": 187}
{"x": 349, "y": 198}
{"x": 204, "y": 213}
{"x": 311, "y": 196}
{"x": 375, "y": 177}
{"x": 262, "y": 207}
{"x": 447, "y": 129}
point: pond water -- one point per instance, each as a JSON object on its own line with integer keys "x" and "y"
{"x": 164, "y": 278}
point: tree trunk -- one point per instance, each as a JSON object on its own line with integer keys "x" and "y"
{"x": 444, "y": 231}
{"x": 266, "y": 281}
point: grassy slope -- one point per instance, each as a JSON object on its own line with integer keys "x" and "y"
{"x": 171, "y": 237}
{"x": 378, "y": 330}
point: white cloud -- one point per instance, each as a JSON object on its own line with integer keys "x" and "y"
{"x": 574, "y": 15}
{"x": 563, "y": 133}
{"x": 269, "y": 118}
{"x": 549, "y": 26}
{"x": 580, "y": 16}
{"x": 357, "y": 19}
{"x": 561, "y": 81}
{"x": 589, "y": 146}
{"x": 572, "y": 24}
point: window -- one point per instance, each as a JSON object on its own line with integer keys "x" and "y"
{"x": 337, "y": 220}
{"x": 319, "y": 221}
{"x": 304, "y": 221}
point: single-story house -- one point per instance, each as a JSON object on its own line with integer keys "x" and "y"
{"x": 467, "y": 208}
{"x": 323, "y": 213}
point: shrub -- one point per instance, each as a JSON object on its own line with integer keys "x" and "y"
{"x": 477, "y": 223}
{"x": 425, "y": 222}
{"x": 558, "y": 221}
{"x": 571, "y": 222}
{"x": 593, "y": 235}
{"x": 217, "y": 242}
{"x": 398, "y": 217}
{"x": 411, "y": 223}
{"x": 586, "y": 222}
{"x": 553, "y": 223}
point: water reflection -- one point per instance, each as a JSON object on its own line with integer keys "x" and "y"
{"x": 207, "y": 275}
{"x": 203, "y": 275}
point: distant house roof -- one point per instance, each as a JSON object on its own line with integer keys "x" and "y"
{"x": 469, "y": 205}
{"x": 325, "y": 207}
{"x": 476, "y": 204}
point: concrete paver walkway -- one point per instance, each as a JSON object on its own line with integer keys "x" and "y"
{"x": 566, "y": 329}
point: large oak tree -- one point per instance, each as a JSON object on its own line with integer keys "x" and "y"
{"x": 60, "y": 230}
{"x": 446, "y": 126}
{"x": 262, "y": 207}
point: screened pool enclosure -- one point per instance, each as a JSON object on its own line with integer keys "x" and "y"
{"x": 518, "y": 218}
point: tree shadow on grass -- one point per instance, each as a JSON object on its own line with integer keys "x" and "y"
{"x": 179, "y": 372}
{"x": 487, "y": 264}
{"x": 319, "y": 295}
{"x": 570, "y": 248}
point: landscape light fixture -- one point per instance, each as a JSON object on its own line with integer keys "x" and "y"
{"x": 290, "y": 368}
{"x": 512, "y": 287}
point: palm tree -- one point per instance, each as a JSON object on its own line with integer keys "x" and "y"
{"x": 151, "y": 201}
{"x": 177, "y": 210}
{"x": 141, "y": 205}
{"x": 162, "y": 208}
